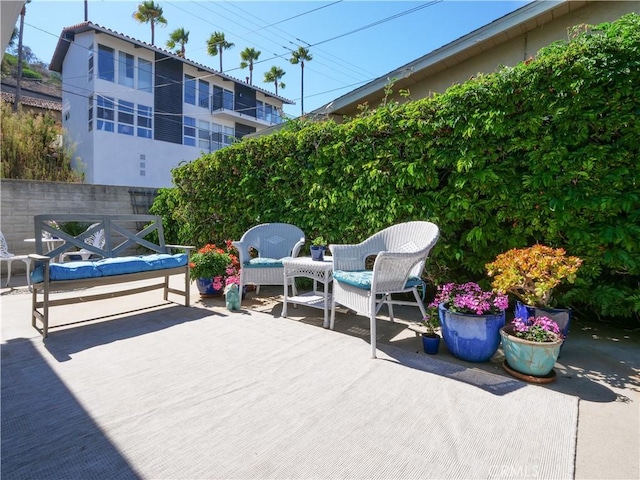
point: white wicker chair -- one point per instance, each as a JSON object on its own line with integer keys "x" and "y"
{"x": 6, "y": 256}
{"x": 272, "y": 242}
{"x": 95, "y": 239}
{"x": 401, "y": 251}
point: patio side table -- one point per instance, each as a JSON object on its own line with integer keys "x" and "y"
{"x": 319, "y": 271}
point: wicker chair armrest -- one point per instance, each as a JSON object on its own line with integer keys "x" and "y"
{"x": 297, "y": 247}
{"x": 349, "y": 257}
{"x": 243, "y": 251}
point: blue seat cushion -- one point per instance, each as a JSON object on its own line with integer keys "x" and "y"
{"x": 362, "y": 279}
{"x": 107, "y": 267}
{"x": 263, "y": 262}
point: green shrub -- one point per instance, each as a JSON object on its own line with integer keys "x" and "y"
{"x": 543, "y": 152}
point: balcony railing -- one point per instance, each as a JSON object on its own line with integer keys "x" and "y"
{"x": 267, "y": 113}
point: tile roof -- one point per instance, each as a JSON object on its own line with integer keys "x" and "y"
{"x": 32, "y": 102}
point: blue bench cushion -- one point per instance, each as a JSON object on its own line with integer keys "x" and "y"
{"x": 107, "y": 267}
{"x": 362, "y": 279}
{"x": 264, "y": 262}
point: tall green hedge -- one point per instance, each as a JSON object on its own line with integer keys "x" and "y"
{"x": 546, "y": 151}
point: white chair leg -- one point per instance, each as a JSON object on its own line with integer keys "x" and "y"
{"x": 332, "y": 319}
{"x": 420, "y": 303}
{"x": 9, "y": 272}
{"x": 372, "y": 324}
{"x": 372, "y": 321}
{"x": 27, "y": 262}
{"x": 389, "y": 306}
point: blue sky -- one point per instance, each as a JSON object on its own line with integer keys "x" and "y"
{"x": 352, "y": 42}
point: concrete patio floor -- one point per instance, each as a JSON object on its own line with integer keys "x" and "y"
{"x": 599, "y": 364}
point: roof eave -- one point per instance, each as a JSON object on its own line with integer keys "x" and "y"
{"x": 479, "y": 36}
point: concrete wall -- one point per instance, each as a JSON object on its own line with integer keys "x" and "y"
{"x": 20, "y": 200}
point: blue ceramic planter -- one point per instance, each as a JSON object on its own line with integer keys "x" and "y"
{"x": 531, "y": 358}
{"x": 474, "y": 338}
{"x": 430, "y": 344}
{"x": 317, "y": 252}
{"x": 205, "y": 287}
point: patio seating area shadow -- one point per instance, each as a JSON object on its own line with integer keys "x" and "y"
{"x": 399, "y": 350}
{"x": 584, "y": 368}
{"x": 91, "y": 333}
{"x": 33, "y": 423}
{"x": 489, "y": 382}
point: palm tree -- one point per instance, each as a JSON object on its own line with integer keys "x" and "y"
{"x": 274, "y": 75}
{"x": 248, "y": 56}
{"x": 150, "y": 12}
{"x": 179, "y": 36}
{"x": 300, "y": 56}
{"x": 216, "y": 44}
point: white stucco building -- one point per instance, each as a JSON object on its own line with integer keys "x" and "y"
{"x": 134, "y": 111}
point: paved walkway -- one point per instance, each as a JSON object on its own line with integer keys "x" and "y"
{"x": 599, "y": 364}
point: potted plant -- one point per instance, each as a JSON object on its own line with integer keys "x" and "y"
{"x": 531, "y": 274}
{"x": 318, "y": 246}
{"x": 471, "y": 319}
{"x": 428, "y": 333}
{"x": 531, "y": 347}
{"x": 213, "y": 268}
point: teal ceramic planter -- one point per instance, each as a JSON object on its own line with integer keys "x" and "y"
{"x": 474, "y": 338}
{"x": 530, "y": 358}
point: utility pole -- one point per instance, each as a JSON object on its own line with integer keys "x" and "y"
{"x": 17, "y": 99}
{"x": 86, "y": 10}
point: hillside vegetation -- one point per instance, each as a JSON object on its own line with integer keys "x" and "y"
{"x": 31, "y": 148}
{"x": 546, "y": 151}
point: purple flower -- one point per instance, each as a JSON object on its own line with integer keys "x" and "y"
{"x": 469, "y": 298}
{"x": 536, "y": 329}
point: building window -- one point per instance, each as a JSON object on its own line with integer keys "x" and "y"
{"x": 189, "y": 131}
{"x": 106, "y": 114}
{"x": 268, "y": 112}
{"x": 203, "y": 94}
{"x": 125, "y": 117}
{"x": 145, "y": 75}
{"x": 106, "y": 66}
{"x": 145, "y": 121}
{"x": 126, "y": 69}
{"x": 203, "y": 135}
{"x": 216, "y": 137}
{"x": 228, "y": 136}
{"x": 227, "y": 99}
{"x": 90, "y": 113}
{"x": 276, "y": 115}
{"x": 222, "y": 98}
{"x": 259, "y": 110}
{"x": 90, "y": 64}
{"x": 189, "y": 90}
